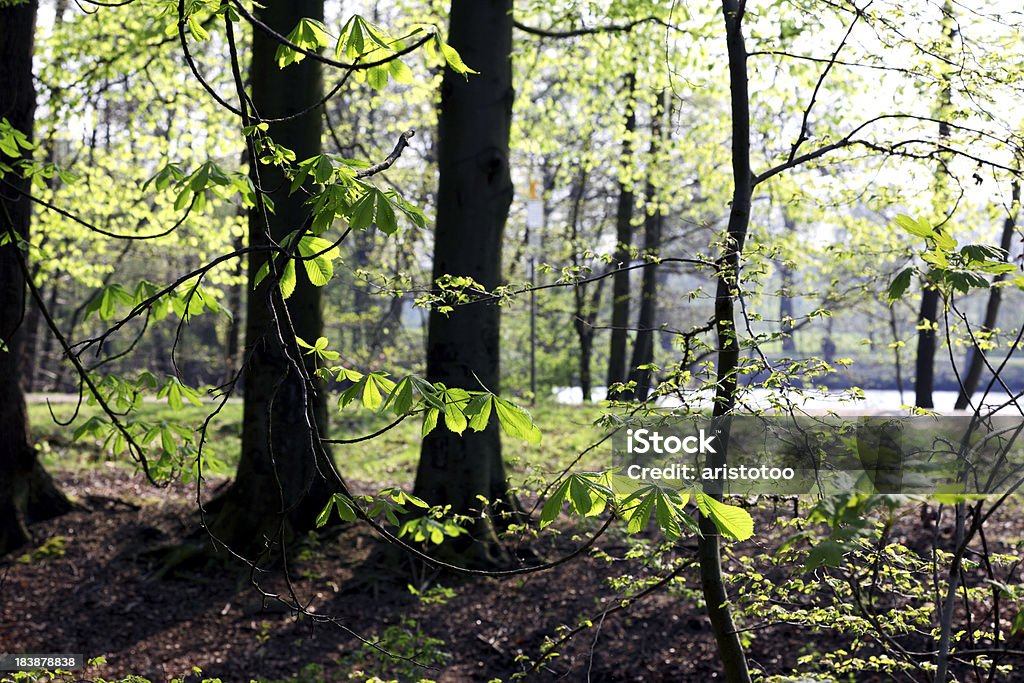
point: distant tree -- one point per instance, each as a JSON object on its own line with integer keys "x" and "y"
{"x": 976, "y": 356}
{"x": 27, "y": 493}
{"x": 643, "y": 346}
{"x": 928, "y": 313}
{"x": 617, "y": 350}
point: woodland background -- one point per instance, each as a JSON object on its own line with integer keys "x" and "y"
{"x": 318, "y": 319}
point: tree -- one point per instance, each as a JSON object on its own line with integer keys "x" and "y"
{"x": 617, "y": 369}
{"x": 928, "y": 314}
{"x": 976, "y": 356}
{"x": 474, "y": 194}
{"x": 643, "y": 346}
{"x": 727, "y": 371}
{"x": 284, "y": 475}
{"x": 585, "y": 309}
{"x": 27, "y": 493}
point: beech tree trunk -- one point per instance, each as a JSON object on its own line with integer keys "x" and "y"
{"x": 623, "y": 239}
{"x": 284, "y": 474}
{"x": 474, "y": 194}
{"x": 27, "y": 493}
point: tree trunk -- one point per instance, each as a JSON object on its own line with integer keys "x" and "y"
{"x": 730, "y": 649}
{"x": 474, "y": 194}
{"x": 231, "y": 345}
{"x": 643, "y": 346}
{"x": 284, "y": 474}
{"x": 582, "y": 319}
{"x": 27, "y": 493}
{"x": 924, "y": 365}
{"x": 29, "y": 352}
{"x": 928, "y": 315}
{"x": 623, "y": 241}
{"x": 995, "y": 297}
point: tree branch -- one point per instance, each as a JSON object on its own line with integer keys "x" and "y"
{"x": 403, "y": 142}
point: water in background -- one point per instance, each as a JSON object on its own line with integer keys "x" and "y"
{"x": 874, "y": 401}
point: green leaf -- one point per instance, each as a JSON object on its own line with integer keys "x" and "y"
{"x": 386, "y": 215}
{"x": 829, "y": 553}
{"x": 261, "y": 274}
{"x": 324, "y": 169}
{"x": 982, "y": 253}
{"x": 516, "y": 422}
{"x": 400, "y": 72}
{"x": 452, "y": 57}
{"x": 377, "y": 77}
{"x": 325, "y": 513}
{"x": 732, "y": 521}
{"x": 454, "y": 417}
{"x": 318, "y": 255}
{"x": 362, "y": 211}
{"x": 479, "y": 411}
{"x": 308, "y": 34}
{"x": 579, "y": 493}
{"x": 345, "y": 509}
{"x": 196, "y": 29}
{"x": 371, "y": 393}
{"x": 553, "y": 505}
{"x": 641, "y": 514}
{"x": 400, "y": 398}
{"x": 913, "y": 226}
{"x": 899, "y": 284}
{"x": 431, "y": 394}
{"x": 167, "y": 442}
{"x": 288, "y": 280}
{"x": 429, "y": 421}
{"x": 342, "y": 504}
{"x": 943, "y": 241}
{"x": 665, "y": 513}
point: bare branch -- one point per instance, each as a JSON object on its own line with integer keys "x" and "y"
{"x": 403, "y": 142}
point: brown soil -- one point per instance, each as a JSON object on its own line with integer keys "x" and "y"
{"x": 100, "y": 598}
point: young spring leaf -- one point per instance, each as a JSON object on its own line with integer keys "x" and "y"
{"x": 642, "y": 512}
{"x": 553, "y": 505}
{"x": 288, "y": 280}
{"x": 666, "y": 515}
{"x": 318, "y": 255}
{"x": 455, "y": 401}
{"x": 913, "y": 226}
{"x": 400, "y": 398}
{"x": 429, "y": 421}
{"x": 732, "y": 521}
{"x": 479, "y": 411}
{"x": 579, "y": 493}
{"x": 899, "y": 285}
{"x": 516, "y": 422}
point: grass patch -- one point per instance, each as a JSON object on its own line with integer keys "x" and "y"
{"x": 391, "y": 457}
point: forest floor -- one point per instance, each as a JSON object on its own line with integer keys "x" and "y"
{"x": 90, "y": 589}
{"x": 90, "y": 586}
